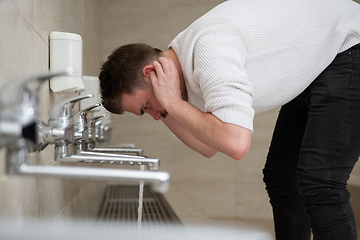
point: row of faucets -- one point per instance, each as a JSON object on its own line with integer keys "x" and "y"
{"x": 78, "y": 137}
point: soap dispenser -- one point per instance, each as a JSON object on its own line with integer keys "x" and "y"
{"x": 66, "y": 51}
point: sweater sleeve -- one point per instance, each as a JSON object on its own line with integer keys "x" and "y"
{"x": 219, "y": 58}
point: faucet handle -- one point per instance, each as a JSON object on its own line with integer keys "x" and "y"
{"x": 80, "y": 119}
{"x": 26, "y": 89}
{"x": 64, "y": 108}
{"x": 19, "y": 110}
{"x": 97, "y": 118}
{"x": 92, "y": 131}
{"x": 81, "y": 128}
{"x": 89, "y": 108}
{"x": 93, "y": 121}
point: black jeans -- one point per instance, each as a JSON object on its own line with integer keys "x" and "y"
{"x": 315, "y": 145}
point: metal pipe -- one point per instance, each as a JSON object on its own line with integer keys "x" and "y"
{"x": 159, "y": 181}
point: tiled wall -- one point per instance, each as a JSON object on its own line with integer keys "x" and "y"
{"x": 219, "y": 187}
{"x": 25, "y": 26}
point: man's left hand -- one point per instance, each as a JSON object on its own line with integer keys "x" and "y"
{"x": 165, "y": 82}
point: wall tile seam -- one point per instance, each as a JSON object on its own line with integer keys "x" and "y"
{"x": 190, "y": 200}
{"x": 69, "y": 202}
{"x": 28, "y": 22}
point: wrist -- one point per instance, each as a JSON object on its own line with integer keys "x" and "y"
{"x": 175, "y": 107}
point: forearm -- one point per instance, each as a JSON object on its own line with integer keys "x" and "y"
{"x": 224, "y": 137}
{"x": 228, "y": 138}
{"x": 188, "y": 138}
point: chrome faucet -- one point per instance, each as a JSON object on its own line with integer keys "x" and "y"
{"x": 18, "y": 116}
{"x": 105, "y": 136}
{"x": 60, "y": 131}
{"x": 19, "y": 110}
{"x": 60, "y": 128}
{"x": 84, "y": 142}
{"x": 99, "y": 138}
{"x": 81, "y": 128}
{"x": 18, "y": 134}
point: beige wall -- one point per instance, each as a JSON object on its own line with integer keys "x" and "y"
{"x": 217, "y": 187}
{"x": 25, "y": 26}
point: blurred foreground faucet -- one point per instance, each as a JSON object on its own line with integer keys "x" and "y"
{"x": 18, "y": 134}
{"x": 62, "y": 130}
{"x": 91, "y": 135}
{"x": 98, "y": 130}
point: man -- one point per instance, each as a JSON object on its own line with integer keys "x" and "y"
{"x": 247, "y": 57}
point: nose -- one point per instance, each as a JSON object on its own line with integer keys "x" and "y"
{"x": 155, "y": 114}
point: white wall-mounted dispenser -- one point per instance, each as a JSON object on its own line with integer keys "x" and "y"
{"x": 66, "y": 51}
{"x": 92, "y": 86}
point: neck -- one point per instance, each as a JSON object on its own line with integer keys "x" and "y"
{"x": 170, "y": 54}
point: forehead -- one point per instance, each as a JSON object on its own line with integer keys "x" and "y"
{"x": 134, "y": 102}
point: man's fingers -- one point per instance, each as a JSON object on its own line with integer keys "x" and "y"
{"x": 159, "y": 69}
{"x": 153, "y": 77}
{"x": 157, "y": 66}
{"x": 166, "y": 65}
{"x": 166, "y": 73}
{"x": 164, "y": 62}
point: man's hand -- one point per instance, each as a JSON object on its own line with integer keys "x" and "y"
{"x": 214, "y": 134}
{"x": 166, "y": 83}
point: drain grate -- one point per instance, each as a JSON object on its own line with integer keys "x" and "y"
{"x": 121, "y": 204}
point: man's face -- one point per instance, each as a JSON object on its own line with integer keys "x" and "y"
{"x": 143, "y": 101}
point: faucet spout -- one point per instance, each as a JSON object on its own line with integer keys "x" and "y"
{"x": 117, "y": 145}
{"x": 117, "y": 150}
{"x": 90, "y": 157}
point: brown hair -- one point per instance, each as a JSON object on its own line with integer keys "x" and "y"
{"x": 122, "y": 73}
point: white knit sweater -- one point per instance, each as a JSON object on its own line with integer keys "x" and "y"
{"x": 249, "y": 56}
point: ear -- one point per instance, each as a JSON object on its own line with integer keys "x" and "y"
{"x": 148, "y": 69}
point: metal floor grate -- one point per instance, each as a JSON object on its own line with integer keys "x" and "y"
{"x": 121, "y": 202}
